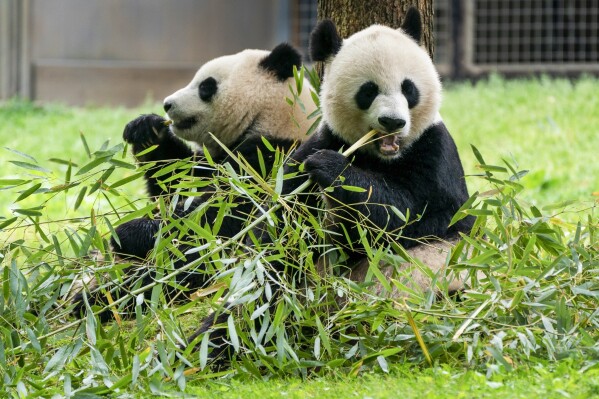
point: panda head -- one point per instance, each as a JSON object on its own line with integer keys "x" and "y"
{"x": 379, "y": 78}
{"x": 240, "y": 94}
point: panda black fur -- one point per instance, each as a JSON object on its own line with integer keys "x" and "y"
{"x": 381, "y": 79}
{"x": 240, "y": 99}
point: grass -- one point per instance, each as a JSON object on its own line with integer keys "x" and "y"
{"x": 549, "y": 127}
{"x": 561, "y": 381}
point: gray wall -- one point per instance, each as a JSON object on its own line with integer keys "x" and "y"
{"x": 119, "y": 52}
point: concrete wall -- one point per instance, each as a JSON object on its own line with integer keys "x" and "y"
{"x": 119, "y": 52}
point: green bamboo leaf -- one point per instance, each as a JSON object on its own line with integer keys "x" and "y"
{"x": 259, "y": 311}
{"x": 204, "y": 350}
{"x": 261, "y": 162}
{"x": 233, "y": 333}
{"x": 353, "y": 189}
{"x": 208, "y": 156}
{"x": 36, "y": 211}
{"x": 68, "y": 174}
{"x": 58, "y": 359}
{"x": 267, "y": 144}
{"x": 91, "y": 165}
{"x": 39, "y": 230}
{"x": 13, "y": 182}
{"x": 5, "y": 282}
{"x": 8, "y": 222}
{"x": 279, "y": 180}
{"x": 28, "y": 192}
{"x": 63, "y": 162}
{"x": 135, "y": 368}
{"x": 477, "y": 154}
{"x": 399, "y": 213}
{"x": 122, "y": 383}
{"x": 316, "y": 101}
{"x": 101, "y": 180}
{"x": 146, "y": 151}
{"x": 146, "y": 210}
{"x": 500, "y": 358}
{"x": 322, "y": 333}
{"x": 126, "y": 180}
{"x": 314, "y": 126}
{"x": 22, "y": 154}
{"x": 122, "y": 164}
{"x": 478, "y": 212}
{"x": 492, "y": 168}
{"x": 80, "y": 197}
{"x": 563, "y": 317}
{"x": 383, "y": 363}
{"x": 169, "y": 168}
{"x": 461, "y": 214}
{"x": 30, "y": 166}
{"x": 35, "y": 343}
{"x": 87, "y": 151}
{"x": 317, "y": 347}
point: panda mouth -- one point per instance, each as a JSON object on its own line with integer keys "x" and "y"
{"x": 186, "y": 123}
{"x": 388, "y": 144}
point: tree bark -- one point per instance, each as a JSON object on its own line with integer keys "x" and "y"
{"x": 351, "y": 16}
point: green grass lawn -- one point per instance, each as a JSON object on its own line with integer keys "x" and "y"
{"x": 549, "y": 127}
{"x": 561, "y": 381}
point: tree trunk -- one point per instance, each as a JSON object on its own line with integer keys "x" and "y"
{"x": 351, "y": 16}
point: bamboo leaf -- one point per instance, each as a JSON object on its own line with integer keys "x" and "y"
{"x": 30, "y": 166}
{"x": 36, "y": 211}
{"x": 84, "y": 141}
{"x": 418, "y": 336}
{"x": 80, "y": 197}
{"x": 91, "y": 165}
{"x": 22, "y": 154}
{"x": 233, "y": 333}
{"x": 126, "y": 180}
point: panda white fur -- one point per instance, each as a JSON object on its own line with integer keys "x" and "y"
{"x": 239, "y": 98}
{"x": 381, "y": 79}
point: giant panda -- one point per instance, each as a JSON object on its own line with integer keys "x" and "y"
{"x": 382, "y": 79}
{"x": 378, "y": 79}
{"x": 241, "y": 100}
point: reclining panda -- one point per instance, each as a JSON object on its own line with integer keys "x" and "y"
{"x": 378, "y": 79}
{"x": 241, "y": 100}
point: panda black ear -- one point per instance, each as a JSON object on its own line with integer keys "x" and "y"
{"x": 324, "y": 41}
{"x": 412, "y": 24}
{"x": 281, "y": 60}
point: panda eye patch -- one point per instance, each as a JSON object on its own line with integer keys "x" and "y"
{"x": 366, "y": 95}
{"x": 410, "y": 92}
{"x": 208, "y": 89}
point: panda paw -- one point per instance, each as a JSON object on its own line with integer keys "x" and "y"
{"x": 325, "y": 166}
{"x": 136, "y": 238}
{"x": 145, "y": 131}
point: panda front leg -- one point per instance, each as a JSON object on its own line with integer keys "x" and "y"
{"x": 136, "y": 238}
{"x": 149, "y": 130}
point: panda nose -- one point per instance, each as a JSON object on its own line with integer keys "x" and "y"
{"x": 391, "y": 124}
{"x": 167, "y": 105}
